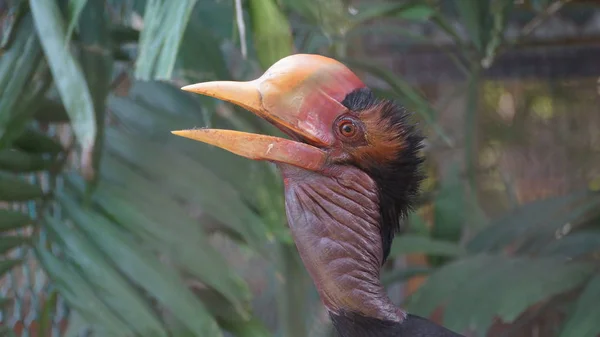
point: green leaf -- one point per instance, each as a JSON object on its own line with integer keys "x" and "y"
{"x": 17, "y": 161}
{"x": 97, "y": 65}
{"x": 147, "y": 214}
{"x": 272, "y": 32}
{"x": 449, "y": 211}
{"x": 515, "y": 224}
{"x": 11, "y": 220}
{"x": 15, "y": 189}
{"x": 36, "y": 142}
{"x": 404, "y": 274}
{"x": 143, "y": 268}
{"x": 544, "y": 232}
{"x": 79, "y": 294}
{"x": 7, "y": 331}
{"x": 201, "y": 57}
{"x": 16, "y": 87}
{"x": 45, "y": 319}
{"x": 11, "y": 15}
{"x": 584, "y": 320}
{"x": 7, "y": 243}
{"x": 68, "y": 76}
{"x": 7, "y": 265}
{"x": 251, "y": 328}
{"x": 155, "y": 109}
{"x": 573, "y": 245}
{"x": 410, "y": 243}
{"x": 75, "y": 8}
{"x": 164, "y": 26}
{"x": 114, "y": 289}
{"x": 473, "y": 13}
{"x": 410, "y": 11}
{"x": 50, "y": 111}
{"x": 518, "y": 283}
{"x": 173, "y": 174}
{"x": 417, "y": 12}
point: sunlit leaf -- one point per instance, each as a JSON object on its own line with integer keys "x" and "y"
{"x": 583, "y": 321}
{"x": 67, "y": 73}
{"x": 272, "y": 32}
{"x": 165, "y": 24}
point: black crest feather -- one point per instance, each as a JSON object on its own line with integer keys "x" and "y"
{"x": 398, "y": 180}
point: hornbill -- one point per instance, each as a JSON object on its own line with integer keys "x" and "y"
{"x": 350, "y": 169}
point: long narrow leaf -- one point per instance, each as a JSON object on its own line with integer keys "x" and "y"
{"x": 143, "y": 268}
{"x": 584, "y": 320}
{"x": 80, "y": 296}
{"x": 68, "y": 77}
{"x": 115, "y": 290}
{"x": 166, "y": 227}
{"x": 97, "y": 63}
{"x": 409, "y": 244}
{"x": 25, "y": 55}
{"x": 272, "y": 32}
{"x": 518, "y": 283}
{"x": 179, "y": 177}
{"x": 16, "y": 189}
{"x": 75, "y": 8}
{"x": 165, "y": 24}
{"x": 10, "y": 220}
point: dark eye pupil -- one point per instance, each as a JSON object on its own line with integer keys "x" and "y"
{"x": 347, "y": 128}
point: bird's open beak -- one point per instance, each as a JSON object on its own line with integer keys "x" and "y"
{"x": 299, "y": 94}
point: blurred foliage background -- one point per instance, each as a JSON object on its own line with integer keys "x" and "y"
{"x": 111, "y": 226}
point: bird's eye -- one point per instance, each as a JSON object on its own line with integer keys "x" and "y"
{"x": 347, "y": 129}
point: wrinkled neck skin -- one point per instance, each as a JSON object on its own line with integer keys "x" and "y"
{"x": 334, "y": 219}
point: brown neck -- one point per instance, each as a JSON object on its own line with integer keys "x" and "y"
{"x": 334, "y": 219}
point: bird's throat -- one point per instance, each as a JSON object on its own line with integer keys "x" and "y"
{"x": 334, "y": 219}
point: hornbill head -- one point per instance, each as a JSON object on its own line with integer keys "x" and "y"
{"x": 350, "y": 170}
